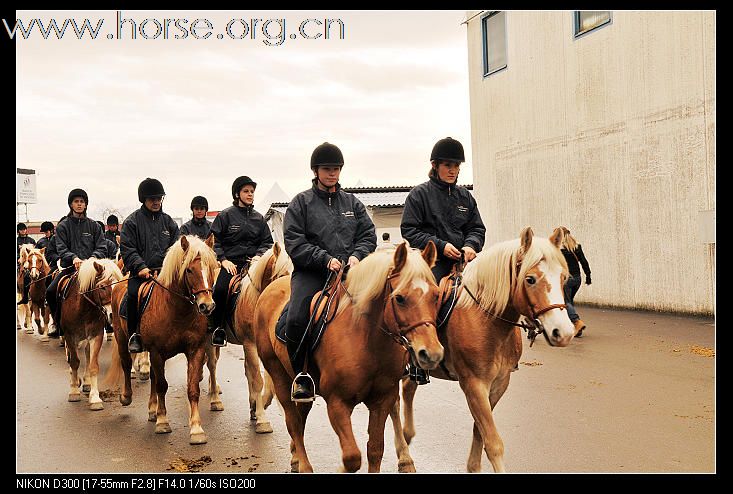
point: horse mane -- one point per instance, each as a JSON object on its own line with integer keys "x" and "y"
{"x": 44, "y": 262}
{"x": 177, "y": 260}
{"x": 25, "y": 249}
{"x": 492, "y": 276}
{"x": 366, "y": 281}
{"x": 251, "y": 286}
{"x": 88, "y": 273}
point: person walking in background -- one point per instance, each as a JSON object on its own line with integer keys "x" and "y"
{"x": 575, "y": 258}
{"x": 386, "y": 243}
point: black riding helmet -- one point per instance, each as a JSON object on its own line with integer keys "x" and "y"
{"x": 199, "y": 201}
{"x": 78, "y": 193}
{"x": 22, "y": 226}
{"x": 326, "y": 154}
{"x": 46, "y": 226}
{"x": 112, "y": 220}
{"x": 240, "y": 182}
{"x": 448, "y": 149}
{"x": 149, "y": 187}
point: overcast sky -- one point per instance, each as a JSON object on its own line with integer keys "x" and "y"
{"x": 104, "y": 114}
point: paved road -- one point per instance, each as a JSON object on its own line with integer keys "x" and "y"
{"x": 636, "y": 394}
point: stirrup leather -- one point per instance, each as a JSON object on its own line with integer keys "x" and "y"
{"x": 303, "y": 376}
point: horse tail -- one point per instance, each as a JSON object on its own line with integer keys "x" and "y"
{"x": 114, "y": 377}
{"x": 267, "y": 391}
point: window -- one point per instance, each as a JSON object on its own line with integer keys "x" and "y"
{"x": 493, "y": 27}
{"x": 588, "y": 20}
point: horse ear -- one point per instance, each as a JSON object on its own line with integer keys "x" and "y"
{"x": 210, "y": 241}
{"x": 557, "y": 237}
{"x": 276, "y": 249}
{"x": 430, "y": 253}
{"x": 98, "y": 267}
{"x": 43, "y": 251}
{"x": 400, "y": 258}
{"x": 525, "y": 240}
{"x": 184, "y": 243}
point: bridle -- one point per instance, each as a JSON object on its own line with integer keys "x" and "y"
{"x": 191, "y": 298}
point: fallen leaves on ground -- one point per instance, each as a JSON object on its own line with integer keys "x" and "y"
{"x": 183, "y": 465}
{"x": 701, "y": 350}
{"x": 531, "y": 363}
{"x": 109, "y": 394}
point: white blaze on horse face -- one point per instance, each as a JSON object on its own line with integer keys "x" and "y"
{"x": 206, "y": 278}
{"x": 556, "y": 319}
{"x": 420, "y": 285}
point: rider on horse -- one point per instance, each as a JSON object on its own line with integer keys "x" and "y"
{"x": 113, "y": 227}
{"x": 146, "y": 235}
{"x": 198, "y": 225}
{"x": 23, "y": 238}
{"x": 323, "y": 227}
{"x": 77, "y": 238}
{"x": 437, "y": 210}
{"x": 240, "y": 233}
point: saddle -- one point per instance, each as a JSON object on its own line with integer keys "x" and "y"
{"x": 62, "y": 289}
{"x": 144, "y": 293}
{"x": 449, "y": 290}
{"x": 233, "y": 291}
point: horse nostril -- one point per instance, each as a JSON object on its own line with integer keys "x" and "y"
{"x": 556, "y": 333}
{"x": 423, "y": 355}
{"x": 202, "y": 307}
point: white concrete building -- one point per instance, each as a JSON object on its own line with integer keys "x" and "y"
{"x": 603, "y": 122}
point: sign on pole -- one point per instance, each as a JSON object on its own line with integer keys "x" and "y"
{"x": 25, "y": 185}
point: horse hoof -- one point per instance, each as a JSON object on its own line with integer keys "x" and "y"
{"x": 96, "y": 406}
{"x": 29, "y": 331}
{"x": 86, "y": 388}
{"x": 74, "y": 396}
{"x": 109, "y": 336}
{"x": 406, "y": 467}
{"x": 125, "y": 400}
{"x": 199, "y": 438}
{"x": 216, "y": 407}
{"x": 152, "y": 417}
{"x": 263, "y": 428}
{"x": 294, "y": 467}
{"x": 162, "y": 428}
{"x": 144, "y": 376}
{"x": 44, "y": 338}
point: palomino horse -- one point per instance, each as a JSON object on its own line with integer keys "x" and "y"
{"x": 39, "y": 270}
{"x": 83, "y": 314}
{"x": 389, "y": 308}
{"x": 521, "y": 277}
{"x": 273, "y": 264}
{"x": 174, "y": 322}
{"x": 23, "y": 310}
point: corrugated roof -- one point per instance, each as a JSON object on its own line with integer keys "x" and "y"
{"x": 392, "y": 196}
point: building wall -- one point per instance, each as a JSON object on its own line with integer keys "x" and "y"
{"x": 612, "y": 135}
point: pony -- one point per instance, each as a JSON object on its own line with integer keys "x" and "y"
{"x": 174, "y": 322}
{"x": 23, "y": 312}
{"x": 520, "y": 277}
{"x": 385, "y": 316}
{"x": 39, "y": 270}
{"x": 83, "y": 315}
{"x": 263, "y": 270}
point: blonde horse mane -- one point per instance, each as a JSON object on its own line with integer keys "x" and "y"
{"x": 88, "y": 273}
{"x": 492, "y": 276}
{"x": 251, "y": 286}
{"x": 177, "y": 260}
{"x": 366, "y": 281}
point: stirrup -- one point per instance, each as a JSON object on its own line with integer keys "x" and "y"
{"x": 419, "y": 375}
{"x": 136, "y": 349}
{"x": 222, "y": 341}
{"x": 303, "y": 389}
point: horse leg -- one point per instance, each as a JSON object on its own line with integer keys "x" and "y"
{"x": 255, "y": 384}
{"x": 477, "y": 396}
{"x": 28, "y": 319}
{"x": 95, "y": 345}
{"x": 153, "y": 399}
{"x": 73, "y": 359}
{"x": 162, "y": 426}
{"x": 474, "y": 456}
{"x": 268, "y": 392}
{"x": 44, "y": 318}
{"x": 293, "y": 421}
{"x": 377, "y": 419}
{"x": 36, "y": 315}
{"x": 195, "y": 370}
{"x": 404, "y": 460}
{"x": 87, "y": 373}
{"x": 212, "y": 358}
{"x": 409, "y": 388}
{"x": 339, "y": 413}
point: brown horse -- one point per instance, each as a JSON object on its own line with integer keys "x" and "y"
{"x": 273, "y": 264}
{"x": 83, "y": 314}
{"x": 387, "y": 314}
{"x": 39, "y": 271}
{"x": 521, "y": 277}
{"x": 23, "y": 310}
{"x": 174, "y": 322}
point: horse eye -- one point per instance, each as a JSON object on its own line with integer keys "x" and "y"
{"x": 531, "y": 280}
{"x": 188, "y": 270}
{"x": 400, "y": 299}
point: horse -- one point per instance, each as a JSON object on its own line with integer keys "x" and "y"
{"x": 263, "y": 270}
{"x": 386, "y": 315}
{"x": 39, "y": 270}
{"x": 520, "y": 277}
{"x": 174, "y": 322}
{"x": 83, "y": 315}
{"x": 23, "y": 309}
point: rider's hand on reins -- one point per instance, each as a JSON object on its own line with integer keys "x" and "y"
{"x": 468, "y": 253}
{"x": 451, "y": 252}
{"x": 334, "y": 265}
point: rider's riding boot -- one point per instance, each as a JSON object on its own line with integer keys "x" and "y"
{"x": 108, "y": 328}
{"x": 135, "y": 345}
{"x": 219, "y": 338}
{"x": 419, "y": 375}
{"x": 579, "y": 327}
{"x": 303, "y": 387}
{"x": 55, "y": 331}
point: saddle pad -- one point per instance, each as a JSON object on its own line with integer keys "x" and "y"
{"x": 142, "y": 304}
{"x": 448, "y": 296}
{"x": 280, "y": 326}
{"x": 64, "y": 284}
{"x": 229, "y": 319}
